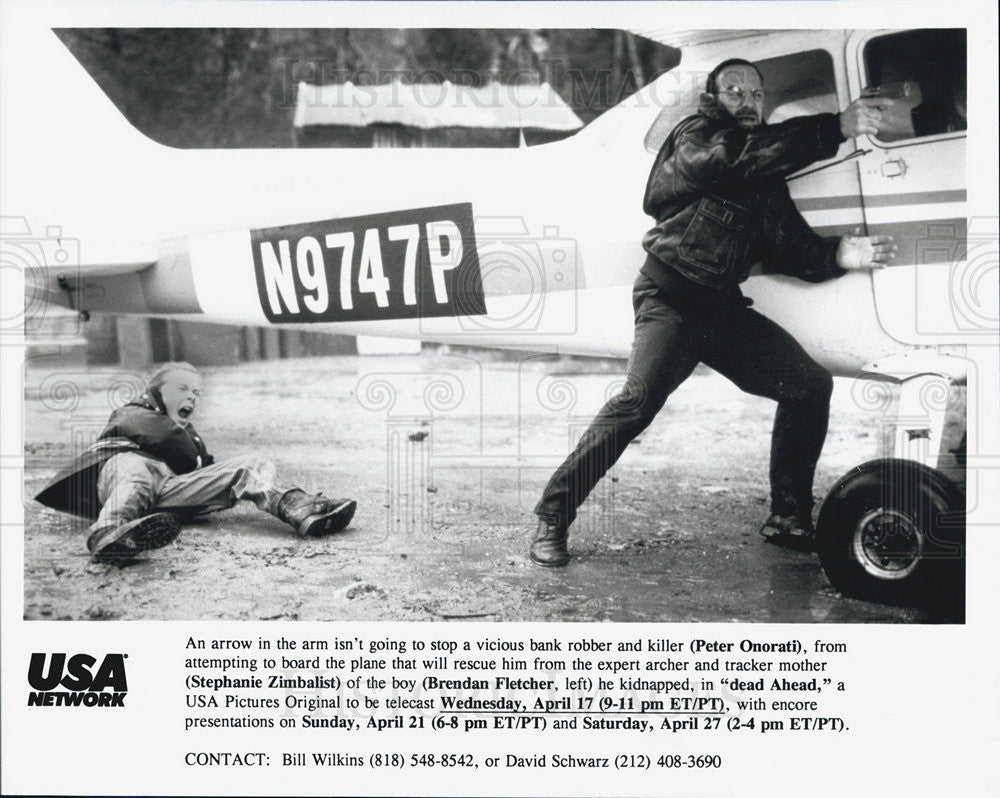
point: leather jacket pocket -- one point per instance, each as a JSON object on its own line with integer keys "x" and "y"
{"x": 713, "y": 239}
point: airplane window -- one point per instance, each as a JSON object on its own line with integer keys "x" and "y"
{"x": 800, "y": 84}
{"x": 925, "y": 73}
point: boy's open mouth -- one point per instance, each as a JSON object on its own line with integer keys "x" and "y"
{"x": 185, "y": 411}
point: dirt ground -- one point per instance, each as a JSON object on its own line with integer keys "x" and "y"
{"x": 446, "y": 453}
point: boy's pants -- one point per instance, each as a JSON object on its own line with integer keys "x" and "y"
{"x": 131, "y": 486}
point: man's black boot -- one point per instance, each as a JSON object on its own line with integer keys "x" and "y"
{"x": 549, "y": 546}
{"x": 312, "y": 516}
{"x": 791, "y": 531}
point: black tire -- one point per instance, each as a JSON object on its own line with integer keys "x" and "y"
{"x": 893, "y": 531}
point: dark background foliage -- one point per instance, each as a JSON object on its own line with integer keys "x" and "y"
{"x": 235, "y": 87}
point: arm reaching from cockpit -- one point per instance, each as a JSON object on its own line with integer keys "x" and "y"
{"x": 863, "y": 117}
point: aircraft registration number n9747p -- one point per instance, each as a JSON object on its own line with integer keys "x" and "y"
{"x": 414, "y": 263}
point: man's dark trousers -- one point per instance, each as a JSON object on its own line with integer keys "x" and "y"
{"x": 742, "y": 345}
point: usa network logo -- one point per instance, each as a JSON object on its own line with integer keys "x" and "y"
{"x": 82, "y": 685}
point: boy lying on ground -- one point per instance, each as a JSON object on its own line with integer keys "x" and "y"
{"x": 149, "y": 469}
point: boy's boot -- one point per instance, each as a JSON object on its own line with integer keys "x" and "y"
{"x": 121, "y": 543}
{"x": 316, "y": 515}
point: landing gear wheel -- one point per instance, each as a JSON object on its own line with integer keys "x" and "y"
{"x": 893, "y": 531}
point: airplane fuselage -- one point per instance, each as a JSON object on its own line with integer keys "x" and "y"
{"x": 555, "y": 229}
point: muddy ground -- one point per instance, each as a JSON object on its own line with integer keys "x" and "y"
{"x": 446, "y": 453}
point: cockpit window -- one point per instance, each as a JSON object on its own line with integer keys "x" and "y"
{"x": 924, "y": 72}
{"x": 800, "y": 84}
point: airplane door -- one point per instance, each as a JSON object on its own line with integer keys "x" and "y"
{"x": 913, "y": 180}
{"x": 811, "y": 80}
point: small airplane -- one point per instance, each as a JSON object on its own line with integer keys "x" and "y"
{"x": 521, "y": 248}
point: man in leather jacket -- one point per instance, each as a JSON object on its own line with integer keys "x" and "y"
{"x": 149, "y": 468}
{"x": 718, "y": 196}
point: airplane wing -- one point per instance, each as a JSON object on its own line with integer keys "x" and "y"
{"x": 110, "y": 263}
{"x": 55, "y": 269}
{"x": 679, "y": 38}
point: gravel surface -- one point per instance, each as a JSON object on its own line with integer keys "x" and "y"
{"x": 446, "y": 453}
